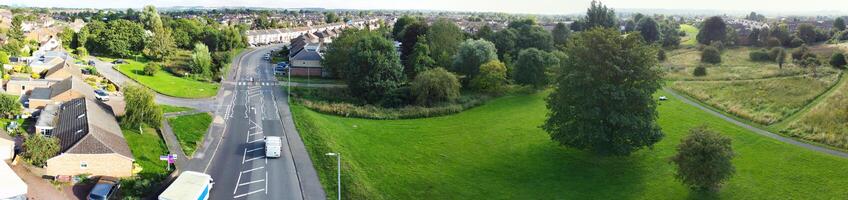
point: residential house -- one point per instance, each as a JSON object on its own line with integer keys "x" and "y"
{"x": 62, "y": 91}
{"x": 62, "y": 71}
{"x": 90, "y": 140}
{"x": 7, "y": 146}
{"x": 307, "y": 61}
{"x": 22, "y": 85}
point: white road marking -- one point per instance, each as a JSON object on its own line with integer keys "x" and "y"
{"x": 266, "y": 178}
{"x": 252, "y": 159}
{"x": 243, "y": 156}
{"x": 250, "y": 170}
{"x": 249, "y": 193}
{"x": 256, "y": 149}
{"x": 237, "y": 182}
{"x": 252, "y": 182}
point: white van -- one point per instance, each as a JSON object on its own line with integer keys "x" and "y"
{"x": 189, "y": 186}
{"x": 273, "y": 146}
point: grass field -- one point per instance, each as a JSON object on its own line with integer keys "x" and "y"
{"x": 826, "y": 122}
{"x": 691, "y": 33}
{"x": 166, "y": 83}
{"x": 190, "y": 130}
{"x": 172, "y": 109}
{"x": 735, "y": 65}
{"x": 764, "y": 101}
{"x": 146, "y": 148}
{"x": 498, "y": 151}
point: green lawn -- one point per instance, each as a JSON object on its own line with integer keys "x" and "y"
{"x": 172, "y": 109}
{"x": 166, "y": 83}
{"x": 735, "y": 65}
{"x": 498, "y": 151}
{"x": 691, "y": 33}
{"x": 190, "y": 130}
{"x": 146, "y": 148}
{"x": 764, "y": 101}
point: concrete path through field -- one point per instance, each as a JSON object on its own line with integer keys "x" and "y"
{"x": 758, "y": 130}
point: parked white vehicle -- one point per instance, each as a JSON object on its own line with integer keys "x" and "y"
{"x": 189, "y": 186}
{"x": 273, "y": 146}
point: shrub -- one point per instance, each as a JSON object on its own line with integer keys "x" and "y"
{"x": 82, "y": 51}
{"x": 773, "y": 42}
{"x": 801, "y": 53}
{"x": 796, "y": 42}
{"x": 837, "y": 60}
{"x": 661, "y": 55}
{"x": 711, "y": 55}
{"x": 35, "y": 75}
{"x": 38, "y": 148}
{"x": 398, "y": 97}
{"x": 111, "y": 88}
{"x": 435, "y": 85}
{"x": 491, "y": 79}
{"x": 9, "y": 105}
{"x": 759, "y": 55}
{"x": 151, "y": 68}
{"x": 700, "y": 71}
{"x": 703, "y": 159}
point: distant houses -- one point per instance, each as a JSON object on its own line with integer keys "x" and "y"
{"x": 273, "y": 36}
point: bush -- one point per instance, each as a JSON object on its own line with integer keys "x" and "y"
{"x": 338, "y": 101}
{"x": 760, "y": 56}
{"x": 82, "y": 51}
{"x": 434, "y": 86}
{"x": 661, "y": 55}
{"x": 801, "y": 53}
{"x": 111, "y": 88}
{"x": 151, "y": 68}
{"x": 773, "y": 42}
{"x": 491, "y": 79}
{"x": 398, "y": 97}
{"x": 700, "y": 71}
{"x": 38, "y": 148}
{"x": 9, "y": 105}
{"x": 837, "y": 60}
{"x": 796, "y": 42}
{"x": 703, "y": 159}
{"x": 711, "y": 55}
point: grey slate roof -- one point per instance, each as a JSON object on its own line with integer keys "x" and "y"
{"x": 307, "y": 55}
{"x": 86, "y": 126}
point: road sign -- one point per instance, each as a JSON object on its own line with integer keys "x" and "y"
{"x": 171, "y": 158}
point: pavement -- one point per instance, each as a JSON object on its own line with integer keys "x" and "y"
{"x": 760, "y": 131}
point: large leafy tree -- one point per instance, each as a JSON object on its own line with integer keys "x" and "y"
{"x": 598, "y": 15}
{"x": 560, "y": 34}
{"x": 649, "y": 29}
{"x": 9, "y": 105}
{"x": 807, "y": 32}
{"x": 369, "y": 64}
{"x": 531, "y": 67}
{"x": 338, "y": 53}
{"x": 150, "y": 18}
{"x": 703, "y": 159}
{"x": 419, "y": 60}
{"x": 38, "y": 148}
{"x": 444, "y": 37}
{"x": 15, "y": 31}
{"x": 140, "y": 108}
{"x": 401, "y": 24}
{"x": 504, "y": 41}
{"x": 434, "y": 86}
{"x": 839, "y": 24}
{"x": 491, "y": 79}
{"x": 201, "y": 61}
{"x": 472, "y": 54}
{"x": 67, "y": 37}
{"x": 603, "y": 98}
{"x": 713, "y": 29}
{"x": 160, "y": 45}
{"x": 409, "y": 38}
{"x": 186, "y": 32}
{"x": 120, "y": 37}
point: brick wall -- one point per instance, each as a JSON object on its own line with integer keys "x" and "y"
{"x": 98, "y": 164}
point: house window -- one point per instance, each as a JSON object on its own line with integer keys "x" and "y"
{"x": 83, "y": 165}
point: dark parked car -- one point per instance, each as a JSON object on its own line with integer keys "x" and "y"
{"x": 118, "y": 61}
{"x": 104, "y": 189}
{"x": 91, "y": 62}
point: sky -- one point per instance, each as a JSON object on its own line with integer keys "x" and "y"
{"x": 508, "y": 6}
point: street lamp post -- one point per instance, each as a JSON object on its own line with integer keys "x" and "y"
{"x": 339, "y": 171}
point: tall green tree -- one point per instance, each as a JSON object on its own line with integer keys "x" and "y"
{"x": 504, "y": 41}
{"x": 491, "y": 79}
{"x": 38, "y": 148}
{"x": 338, "y": 53}
{"x": 603, "y": 101}
{"x": 331, "y": 17}
{"x": 472, "y": 54}
{"x": 484, "y": 32}
{"x": 67, "y": 38}
{"x": 780, "y": 57}
{"x": 531, "y": 67}
{"x": 160, "y": 45}
{"x": 703, "y": 159}
{"x": 150, "y": 18}
{"x": 141, "y": 109}
{"x": 806, "y": 32}
{"x": 201, "y": 61}
{"x": 419, "y": 60}
{"x": 367, "y": 61}
{"x": 839, "y": 24}
{"x": 121, "y": 38}
{"x": 444, "y": 37}
{"x": 401, "y": 24}
{"x": 598, "y": 15}
{"x": 409, "y": 38}
{"x": 713, "y": 29}
{"x": 16, "y": 30}
{"x": 560, "y": 34}
{"x": 4, "y": 58}
{"x": 649, "y": 29}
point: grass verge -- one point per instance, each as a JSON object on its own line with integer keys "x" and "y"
{"x": 190, "y": 130}
{"x": 146, "y": 148}
{"x": 166, "y": 83}
{"x": 172, "y": 109}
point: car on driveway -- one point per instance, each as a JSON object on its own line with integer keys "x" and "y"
{"x": 91, "y": 62}
{"x": 101, "y": 95}
{"x": 104, "y": 189}
{"x": 119, "y": 61}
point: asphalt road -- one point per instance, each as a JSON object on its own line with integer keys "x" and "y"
{"x": 251, "y": 106}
